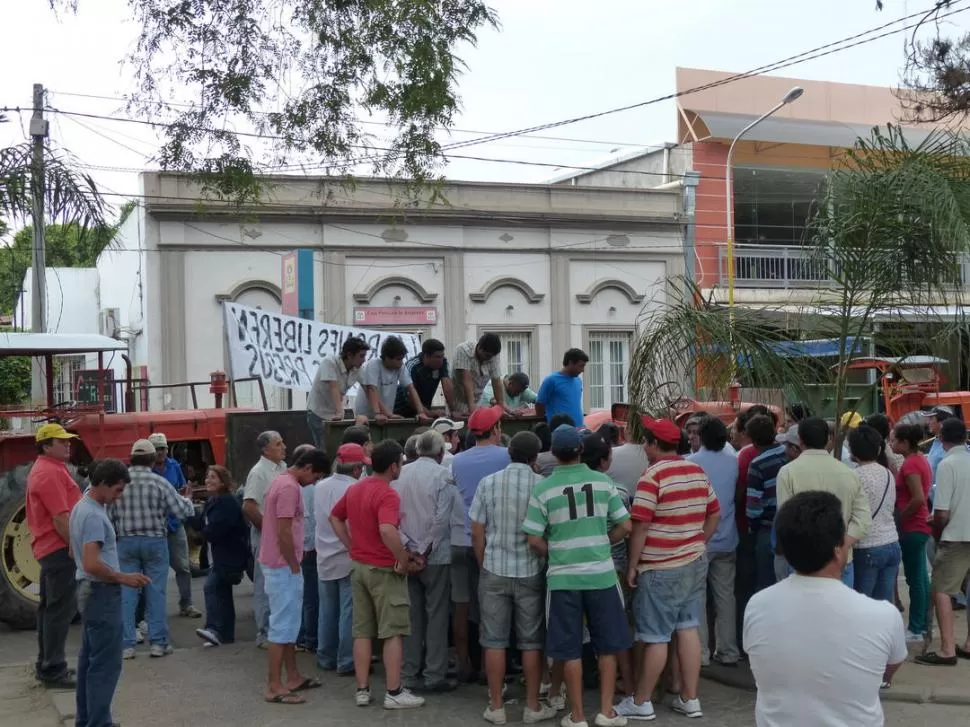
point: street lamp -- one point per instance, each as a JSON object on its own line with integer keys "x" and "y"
{"x": 789, "y": 97}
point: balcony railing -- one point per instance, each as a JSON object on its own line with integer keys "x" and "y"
{"x": 783, "y": 266}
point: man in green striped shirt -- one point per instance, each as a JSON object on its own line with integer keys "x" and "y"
{"x": 573, "y": 517}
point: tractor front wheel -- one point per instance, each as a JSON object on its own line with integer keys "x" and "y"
{"x": 19, "y": 570}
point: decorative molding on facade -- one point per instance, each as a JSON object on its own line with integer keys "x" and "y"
{"x": 587, "y": 296}
{"x": 491, "y": 286}
{"x": 245, "y": 286}
{"x": 367, "y": 296}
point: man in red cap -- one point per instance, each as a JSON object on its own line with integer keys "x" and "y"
{"x": 468, "y": 469}
{"x": 335, "y": 645}
{"x": 675, "y": 512}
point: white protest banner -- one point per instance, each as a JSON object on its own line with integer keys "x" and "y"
{"x": 285, "y": 351}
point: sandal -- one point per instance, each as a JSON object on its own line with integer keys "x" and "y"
{"x": 931, "y": 658}
{"x": 308, "y": 683}
{"x": 285, "y": 699}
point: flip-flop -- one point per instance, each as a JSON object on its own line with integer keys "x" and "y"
{"x": 286, "y": 699}
{"x": 308, "y": 683}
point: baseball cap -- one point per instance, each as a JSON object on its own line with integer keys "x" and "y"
{"x": 663, "y": 429}
{"x": 142, "y": 446}
{"x": 940, "y": 412}
{"x": 566, "y": 442}
{"x": 484, "y": 418}
{"x": 52, "y": 431}
{"x": 789, "y": 437}
{"x": 851, "y": 419}
{"x": 159, "y": 440}
{"x": 352, "y": 454}
{"x": 443, "y": 425}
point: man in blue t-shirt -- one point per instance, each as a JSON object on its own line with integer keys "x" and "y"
{"x": 178, "y": 542}
{"x": 562, "y": 392}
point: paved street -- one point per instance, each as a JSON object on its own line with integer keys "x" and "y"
{"x": 224, "y": 686}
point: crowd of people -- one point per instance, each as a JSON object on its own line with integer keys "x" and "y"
{"x": 571, "y": 556}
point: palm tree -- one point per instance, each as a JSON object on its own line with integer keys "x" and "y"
{"x": 889, "y": 230}
{"x": 70, "y": 196}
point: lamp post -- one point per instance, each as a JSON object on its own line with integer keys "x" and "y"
{"x": 789, "y": 97}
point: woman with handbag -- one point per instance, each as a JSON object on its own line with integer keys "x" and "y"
{"x": 877, "y": 555}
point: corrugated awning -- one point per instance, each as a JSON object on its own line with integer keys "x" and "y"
{"x": 42, "y": 344}
{"x": 788, "y": 131}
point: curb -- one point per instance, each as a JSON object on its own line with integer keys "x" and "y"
{"x": 740, "y": 678}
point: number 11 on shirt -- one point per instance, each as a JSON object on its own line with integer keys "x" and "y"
{"x": 570, "y": 493}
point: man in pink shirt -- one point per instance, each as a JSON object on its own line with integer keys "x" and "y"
{"x": 280, "y": 555}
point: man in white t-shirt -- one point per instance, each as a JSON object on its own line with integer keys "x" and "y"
{"x": 819, "y": 650}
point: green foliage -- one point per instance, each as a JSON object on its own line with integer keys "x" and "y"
{"x": 304, "y": 73}
{"x": 68, "y": 246}
{"x": 14, "y": 380}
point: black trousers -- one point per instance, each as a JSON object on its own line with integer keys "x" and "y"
{"x": 57, "y": 608}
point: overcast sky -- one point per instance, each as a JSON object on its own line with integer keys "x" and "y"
{"x": 551, "y": 59}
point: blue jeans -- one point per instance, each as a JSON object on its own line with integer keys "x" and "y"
{"x": 311, "y": 602}
{"x": 335, "y": 643}
{"x": 137, "y": 554}
{"x": 220, "y": 611}
{"x": 99, "y": 662}
{"x": 764, "y": 557}
{"x": 260, "y": 601}
{"x": 667, "y": 601}
{"x": 876, "y": 570}
{"x": 316, "y": 425}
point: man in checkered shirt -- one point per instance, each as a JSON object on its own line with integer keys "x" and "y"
{"x": 140, "y": 519}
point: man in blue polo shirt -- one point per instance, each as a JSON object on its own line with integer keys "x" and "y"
{"x": 562, "y": 392}
{"x": 178, "y": 542}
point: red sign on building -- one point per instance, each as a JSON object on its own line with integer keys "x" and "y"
{"x": 290, "y": 303}
{"x": 396, "y": 316}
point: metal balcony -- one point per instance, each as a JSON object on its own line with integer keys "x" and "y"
{"x": 786, "y": 266}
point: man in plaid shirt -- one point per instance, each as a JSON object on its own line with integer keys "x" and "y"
{"x": 140, "y": 519}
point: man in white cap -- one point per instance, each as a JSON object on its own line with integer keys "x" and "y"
{"x": 140, "y": 518}
{"x": 178, "y": 542}
{"x": 448, "y": 428}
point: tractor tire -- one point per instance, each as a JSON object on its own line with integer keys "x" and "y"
{"x": 19, "y": 570}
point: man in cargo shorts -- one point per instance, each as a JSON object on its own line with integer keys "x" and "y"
{"x": 366, "y": 520}
{"x": 573, "y": 516}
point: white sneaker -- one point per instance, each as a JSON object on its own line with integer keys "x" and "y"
{"x": 687, "y": 707}
{"x": 139, "y": 636}
{"x": 617, "y": 720}
{"x": 128, "y": 653}
{"x": 567, "y": 721}
{"x": 912, "y": 638}
{"x": 142, "y": 626}
{"x": 159, "y": 650}
{"x": 629, "y": 708}
{"x": 557, "y": 703}
{"x": 544, "y": 690}
{"x": 362, "y": 698}
{"x": 210, "y": 637}
{"x": 402, "y": 700}
{"x": 544, "y": 712}
{"x": 495, "y": 716}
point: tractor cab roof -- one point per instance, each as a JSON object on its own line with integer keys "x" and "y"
{"x": 56, "y": 344}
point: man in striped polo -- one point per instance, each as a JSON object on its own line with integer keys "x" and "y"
{"x": 675, "y": 512}
{"x": 573, "y": 516}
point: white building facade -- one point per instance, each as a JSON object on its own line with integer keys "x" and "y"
{"x": 546, "y": 267}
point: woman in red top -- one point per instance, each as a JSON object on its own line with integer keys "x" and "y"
{"x": 913, "y": 482}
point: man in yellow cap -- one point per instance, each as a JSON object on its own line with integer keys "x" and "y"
{"x": 51, "y": 494}
{"x": 850, "y": 420}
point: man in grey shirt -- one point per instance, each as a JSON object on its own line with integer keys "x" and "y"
{"x": 379, "y": 380}
{"x": 335, "y": 376}
{"x": 94, "y": 548}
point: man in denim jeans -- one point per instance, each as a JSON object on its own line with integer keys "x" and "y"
{"x": 675, "y": 512}
{"x": 335, "y": 641}
{"x": 140, "y": 519}
{"x": 94, "y": 549}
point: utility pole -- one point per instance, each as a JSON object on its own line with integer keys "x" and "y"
{"x": 38, "y": 288}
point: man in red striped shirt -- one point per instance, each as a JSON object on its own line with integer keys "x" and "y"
{"x": 675, "y": 512}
